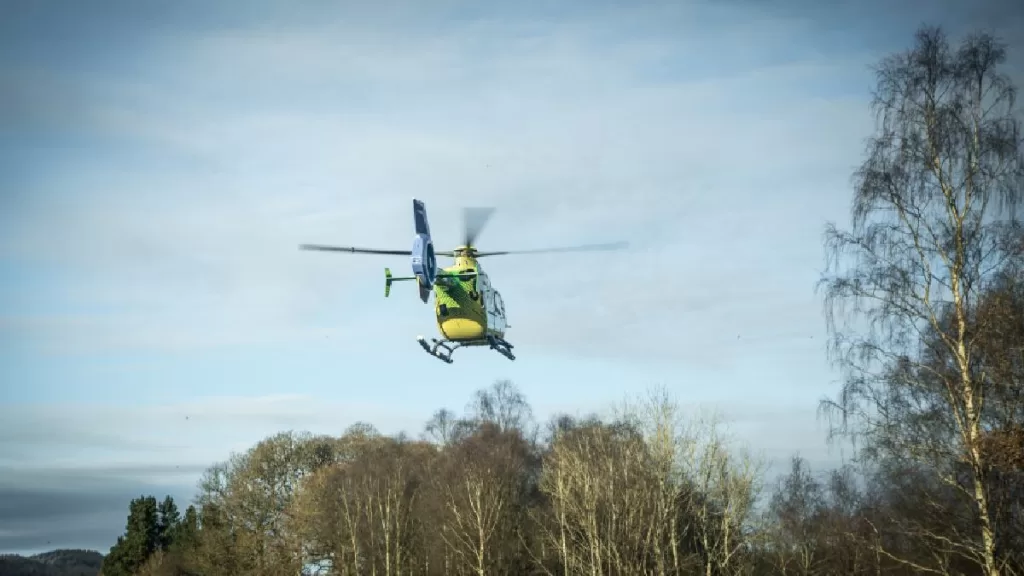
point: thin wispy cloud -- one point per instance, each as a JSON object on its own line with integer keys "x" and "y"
{"x": 161, "y": 164}
{"x": 572, "y": 139}
{"x": 56, "y": 435}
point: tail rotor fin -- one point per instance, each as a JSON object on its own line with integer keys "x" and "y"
{"x": 419, "y": 216}
{"x": 424, "y": 261}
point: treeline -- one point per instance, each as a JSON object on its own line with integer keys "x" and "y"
{"x": 652, "y": 490}
{"x": 925, "y": 307}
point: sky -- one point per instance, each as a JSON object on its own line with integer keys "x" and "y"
{"x": 161, "y": 162}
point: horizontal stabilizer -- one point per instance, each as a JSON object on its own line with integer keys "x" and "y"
{"x": 388, "y": 279}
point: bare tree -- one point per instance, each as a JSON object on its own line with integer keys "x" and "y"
{"x": 480, "y": 483}
{"x": 504, "y": 406}
{"x": 442, "y": 428}
{"x": 934, "y": 210}
{"x": 727, "y": 484}
{"x": 598, "y": 484}
{"x": 794, "y": 514}
{"x": 672, "y": 444}
{"x": 362, "y": 515}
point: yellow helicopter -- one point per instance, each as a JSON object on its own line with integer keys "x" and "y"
{"x": 469, "y": 310}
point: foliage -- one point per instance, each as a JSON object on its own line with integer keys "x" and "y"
{"x": 154, "y": 531}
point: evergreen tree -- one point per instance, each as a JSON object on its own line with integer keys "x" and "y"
{"x": 140, "y": 540}
{"x": 167, "y": 523}
{"x": 115, "y": 563}
{"x": 188, "y": 530}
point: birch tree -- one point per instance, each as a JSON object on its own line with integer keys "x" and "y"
{"x": 481, "y": 486}
{"x": 726, "y": 483}
{"x": 934, "y": 216}
{"x": 601, "y": 491}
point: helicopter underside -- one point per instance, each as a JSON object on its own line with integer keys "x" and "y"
{"x": 462, "y": 329}
{"x": 443, "y": 349}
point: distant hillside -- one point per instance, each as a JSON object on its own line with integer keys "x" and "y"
{"x": 54, "y": 563}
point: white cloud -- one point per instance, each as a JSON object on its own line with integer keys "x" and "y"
{"x": 196, "y": 432}
{"x": 172, "y": 442}
{"x": 324, "y": 136}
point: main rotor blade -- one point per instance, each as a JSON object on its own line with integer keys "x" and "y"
{"x": 581, "y": 248}
{"x": 473, "y": 222}
{"x": 354, "y": 250}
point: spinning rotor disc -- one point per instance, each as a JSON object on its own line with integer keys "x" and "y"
{"x": 474, "y": 220}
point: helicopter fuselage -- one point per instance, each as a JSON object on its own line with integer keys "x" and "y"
{"x": 468, "y": 308}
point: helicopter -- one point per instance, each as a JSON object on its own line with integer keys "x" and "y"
{"x": 468, "y": 309}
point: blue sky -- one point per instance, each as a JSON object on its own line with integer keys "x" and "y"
{"x": 162, "y": 162}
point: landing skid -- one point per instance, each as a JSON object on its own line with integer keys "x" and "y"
{"x": 502, "y": 346}
{"x": 443, "y": 349}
